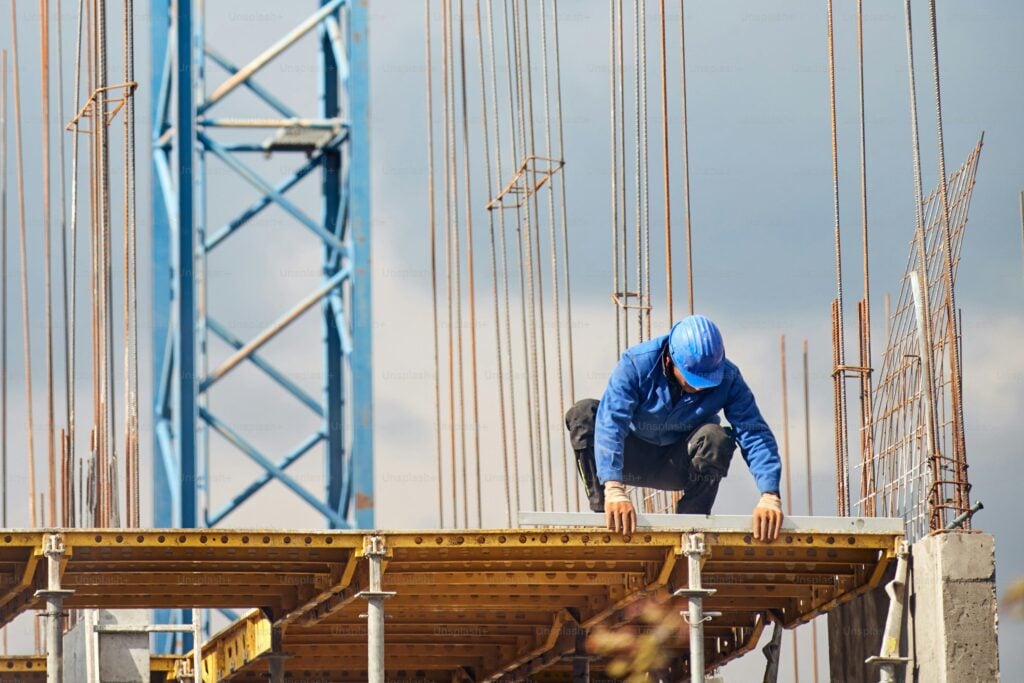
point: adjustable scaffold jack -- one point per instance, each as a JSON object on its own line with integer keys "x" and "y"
{"x": 696, "y": 616}
{"x": 890, "y": 662}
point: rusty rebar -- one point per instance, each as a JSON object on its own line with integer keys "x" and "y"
{"x": 788, "y": 497}
{"x": 810, "y": 494}
{"x": 686, "y": 153}
{"x": 665, "y": 165}
{"x": 33, "y": 519}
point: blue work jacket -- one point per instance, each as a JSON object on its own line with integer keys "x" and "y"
{"x": 639, "y": 399}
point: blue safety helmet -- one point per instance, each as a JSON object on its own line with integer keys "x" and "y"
{"x": 696, "y": 348}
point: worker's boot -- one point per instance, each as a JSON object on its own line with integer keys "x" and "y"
{"x": 579, "y": 420}
{"x": 710, "y": 448}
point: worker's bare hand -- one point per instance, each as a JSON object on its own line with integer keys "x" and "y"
{"x": 768, "y": 518}
{"x": 620, "y": 517}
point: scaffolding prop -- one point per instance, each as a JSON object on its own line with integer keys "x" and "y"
{"x": 889, "y": 662}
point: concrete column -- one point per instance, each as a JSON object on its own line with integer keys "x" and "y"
{"x": 953, "y": 609}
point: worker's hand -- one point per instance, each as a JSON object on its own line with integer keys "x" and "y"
{"x": 619, "y": 513}
{"x": 768, "y": 518}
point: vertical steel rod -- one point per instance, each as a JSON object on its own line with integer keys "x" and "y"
{"x": 375, "y": 624}
{"x": 928, "y": 378}
{"x": 695, "y": 594}
{"x": 374, "y": 550}
{"x": 810, "y": 497}
{"x": 785, "y": 463}
{"x": 197, "y": 646}
{"x": 33, "y": 519}
{"x": 54, "y": 595}
{"x": 889, "y": 661}
{"x": 3, "y": 295}
{"x": 686, "y": 153}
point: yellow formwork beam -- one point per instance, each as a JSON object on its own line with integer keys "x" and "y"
{"x": 502, "y": 601}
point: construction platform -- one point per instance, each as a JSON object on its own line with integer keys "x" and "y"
{"x": 468, "y": 605}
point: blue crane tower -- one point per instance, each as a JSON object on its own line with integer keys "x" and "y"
{"x": 332, "y": 142}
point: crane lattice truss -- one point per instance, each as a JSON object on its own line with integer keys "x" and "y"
{"x": 188, "y": 136}
{"x": 917, "y": 468}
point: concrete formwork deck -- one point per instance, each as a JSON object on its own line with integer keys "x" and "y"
{"x": 469, "y": 604}
{"x": 32, "y": 668}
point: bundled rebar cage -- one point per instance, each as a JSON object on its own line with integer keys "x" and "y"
{"x": 917, "y": 467}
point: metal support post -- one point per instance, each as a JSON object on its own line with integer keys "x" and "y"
{"x": 772, "y": 651}
{"x": 275, "y": 660}
{"x": 890, "y": 658}
{"x": 580, "y": 657}
{"x": 54, "y": 596}
{"x": 695, "y": 594}
{"x": 374, "y": 550}
{"x": 197, "y": 646}
{"x": 276, "y": 669}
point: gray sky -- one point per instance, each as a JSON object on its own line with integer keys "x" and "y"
{"x": 762, "y": 217}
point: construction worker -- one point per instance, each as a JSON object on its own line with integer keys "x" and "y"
{"x": 657, "y": 426}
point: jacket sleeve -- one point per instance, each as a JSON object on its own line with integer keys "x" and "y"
{"x": 614, "y": 415}
{"x": 757, "y": 444}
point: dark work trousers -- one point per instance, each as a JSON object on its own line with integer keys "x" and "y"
{"x": 695, "y": 465}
